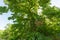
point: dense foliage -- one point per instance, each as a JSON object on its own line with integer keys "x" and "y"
{"x": 29, "y": 24}
{"x": 3, "y": 9}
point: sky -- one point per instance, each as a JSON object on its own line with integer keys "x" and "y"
{"x": 4, "y": 18}
{"x": 56, "y": 3}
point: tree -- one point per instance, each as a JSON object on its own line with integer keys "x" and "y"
{"x": 28, "y": 24}
{"x": 3, "y": 9}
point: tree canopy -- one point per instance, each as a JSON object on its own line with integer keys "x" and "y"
{"x": 28, "y": 24}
